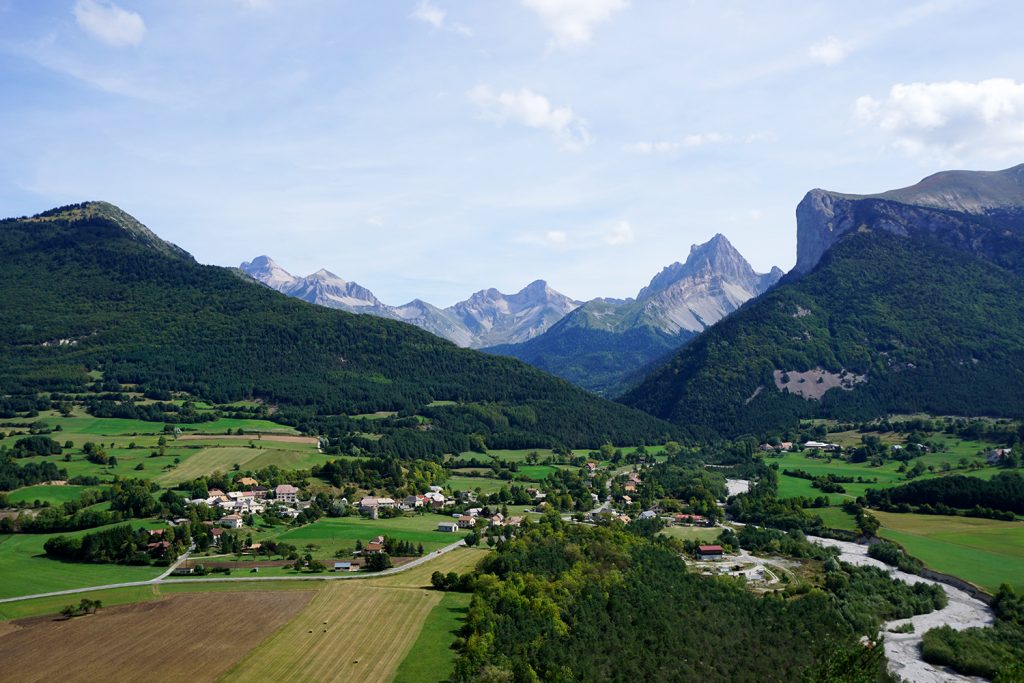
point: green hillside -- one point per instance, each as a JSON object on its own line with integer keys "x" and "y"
{"x": 929, "y": 328}
{"x": 89, "y": 292}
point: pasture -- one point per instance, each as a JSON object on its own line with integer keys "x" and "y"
{"x": 54, "y": 495}
{"x": 26, "y": 569}
{"x": 485, "y": 484}
{"x": 223, "y": 458}
{"x": 188, "y": 628}
{"x": 431, "y": 658}
{"x": 983, "y": 551}
{"x": 348, "y": 632}
{"x": 332, "y": 533}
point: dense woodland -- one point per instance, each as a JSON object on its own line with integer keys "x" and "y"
{"x": 548, "y": 598}
{"x": 86, "y": 288}
{"x": 934, "y": 330}
{"x": 1005, "y": 492}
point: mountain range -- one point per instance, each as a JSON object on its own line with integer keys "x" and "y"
{"x": 487, "y": 318}
{"x": 599, "y": 345}
{"x": 90, "y": 293}
{"x": 905, "y": 301}
{"x": 604, "y": 344}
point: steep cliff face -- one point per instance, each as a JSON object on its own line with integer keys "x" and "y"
{"x": 976, "y": 211}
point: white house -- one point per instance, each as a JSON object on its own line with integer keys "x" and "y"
{"x": 286, "y": 493}
{"x": 231, "y": 521}
{"x": 448, "y": 527}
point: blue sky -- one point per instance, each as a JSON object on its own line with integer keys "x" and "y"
{"x": 433, "y": 148}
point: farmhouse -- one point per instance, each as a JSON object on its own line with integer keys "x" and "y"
{"x": 466, "y": 522}
{"x": 710, "y": 552}
{"x": 286, "y": 493}
{"x": 216, "y": 533}
{"x": 448, "y": 527}
{"x": 231, "y": 521}
{"x": 373, "y": 548}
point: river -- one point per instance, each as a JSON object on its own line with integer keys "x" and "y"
{"x": 903, "y": 650}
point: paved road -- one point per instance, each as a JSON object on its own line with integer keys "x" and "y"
{"x": 163, "y": 578}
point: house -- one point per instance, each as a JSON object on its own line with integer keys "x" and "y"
{"x": 286, "y": 493}
{"x": 247, "y": 481}
{"x": 260, "y": 492}
{"x": 467, "y": 522}
{"x": 214, "y": 493}
{"x": 448, "y": 527}
{"x": 158, "y": 548}
{"x": 436, "y": 489}
{"x": 648, "y": 514}
{"x": 592, "y": 466}
{"x": 413, "y": 502}
{"x": 514, "y": 521}
{"x": 998, "y": 454}
{"x": 497, "y": 519}
{"x": 373, "y": 548}
{"x": 821, "y": 445}
{"x": 231, "y": 521}
{"x": 216, "y": 533}
{"x": 629, "y": 487}
{"x": 627, "y": 500}
{"x": 786, "y": 446}
{"x": 710, "y": 552}
{"x": 625, "y": 519}
{"x": 345, "y": 567}
{"x": 474, "y": 512}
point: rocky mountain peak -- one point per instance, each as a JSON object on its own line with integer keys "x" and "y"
{"x": 717, "y": 256}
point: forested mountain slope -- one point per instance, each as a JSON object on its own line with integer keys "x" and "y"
{"x": 87, "y": 288}
{"x": 882, "y": 324}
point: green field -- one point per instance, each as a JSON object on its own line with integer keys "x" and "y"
{"x": 983, "y": 551}
{"x": 485, "y": 484}
{"x": 692, "y": 533}
{"x": 223, "y": 458}
{"x": 333, "y": 533}
{"x": 835, "y": 518}
{"x": 55, "y": 495}
{"x": 26, "y": 569}
{"x": 431, "y": 658}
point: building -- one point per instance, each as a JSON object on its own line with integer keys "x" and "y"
{"x": 413, "y": 502}
{"x": 247, "y": 481}
{"x": 688, "y": 519}
{"x": 648, "y": 514}
{"x": 216, "y": 533}
{"x": 260, "y": 492}
{"x": 710, "y": 552}
{"x": 345, "y": 567}
{"x": 448, "y": 527}
{"x": 286, "y": 493}
{"x": 466, "y": 522}
{"x": 373, "y": 548}
{"x": 231, "y": 521}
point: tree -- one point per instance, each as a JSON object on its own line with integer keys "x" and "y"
{"x": 867, "y": 523}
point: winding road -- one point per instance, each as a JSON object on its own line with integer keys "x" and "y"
{"x": 163, "y": 578}
{"x": 903, "y": 650}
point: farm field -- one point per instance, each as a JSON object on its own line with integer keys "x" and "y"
{"x": 55, "y": 495}
{"x": 348, "y": 632}
{"x": 333, "y": 533}
{"x": 223, "y": 458}
{"x": 692, "y": 533}
{"x": 26, "y": 569}
{"x": 187, "y": 627}
{"x": 983, "y": 551}
{"x": 431, "y": 658}
{"x": 485, "y": 484}
{"x": 835, "y": 518}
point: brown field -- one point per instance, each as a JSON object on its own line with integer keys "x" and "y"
{"x": 283, "y": 438}
{"x": 193, "y": 637}
{"x": 350, "y": 631}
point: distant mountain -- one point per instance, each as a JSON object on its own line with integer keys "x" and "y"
{"x": 89, "y": 292}
{"x": 487, "y": 318}
{"x": 907, "y": 301}
{"x": 604, "y": 343}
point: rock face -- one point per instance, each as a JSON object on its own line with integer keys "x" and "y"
{"x": 487, "y": 318}
{"x": 602, "y": 344}
{"x": 976, "y": 211}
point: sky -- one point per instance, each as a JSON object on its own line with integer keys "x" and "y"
{"x": 432, "y": 148}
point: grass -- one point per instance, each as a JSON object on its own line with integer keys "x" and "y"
{"x": 835, "y": 518}
{"x": 485, "y": 484}
{"x": 223, "y": 458}
{"x": 54, "y": 495}
{"x": 431, "y": 658}
{"x": 332, "y": 533}
{"x": 983, "y": 551}
{"x": 26, "y": 569}
{"x": 348, "y": 632}
{"x": 692, "y": 533}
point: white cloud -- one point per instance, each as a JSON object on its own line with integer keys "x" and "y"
{"x": 949, "y": 121}
{"x": 533, "y": 110}
{"x": 571, "y": 22}
{"x": 431, "y": 14}
{"x": 667, "y": 146}
{"x": 109, "y": 23}
{"x": 830, "y": 51}
{"x": 621, "y": 233}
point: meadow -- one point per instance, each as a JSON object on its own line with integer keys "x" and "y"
{"x": 54, "y": 495}
{"x": 983, "y": 551}
{"x": 27, "y": 570}
{"x": 431, "y": 658}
